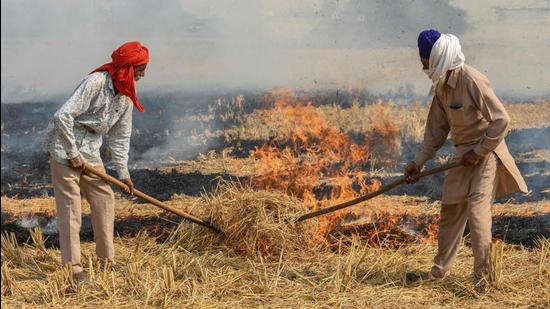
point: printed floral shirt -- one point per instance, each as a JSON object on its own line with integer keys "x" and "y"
{"x": 92, "y": 111}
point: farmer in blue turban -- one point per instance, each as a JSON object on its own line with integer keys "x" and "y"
{"x": 465, "y": 106}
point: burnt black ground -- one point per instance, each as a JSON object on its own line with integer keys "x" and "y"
{"x": 167, "y": 127}
{"x": 26, "y": 174}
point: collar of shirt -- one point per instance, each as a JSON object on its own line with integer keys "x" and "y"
{"x": 453, "y": 77}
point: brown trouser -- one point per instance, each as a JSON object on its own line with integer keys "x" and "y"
{"x": 477, "y": 211}
{"x": 68, "y": 184}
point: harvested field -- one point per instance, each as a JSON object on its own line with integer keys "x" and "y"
{"x": 188, "y": 271}
{"x": 259, "y": 162}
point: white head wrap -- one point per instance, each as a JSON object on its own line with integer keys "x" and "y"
{"x": 446, "y": 55}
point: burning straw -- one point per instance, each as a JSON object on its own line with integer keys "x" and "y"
{"x": 306, "y": 165}
{"x": 259, "y": 223}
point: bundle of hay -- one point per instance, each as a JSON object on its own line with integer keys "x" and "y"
{"x": 259, "y": 223}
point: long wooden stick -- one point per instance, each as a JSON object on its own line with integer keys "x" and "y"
{"x": 108, "y": 178}
{"x": 382, "y": 190}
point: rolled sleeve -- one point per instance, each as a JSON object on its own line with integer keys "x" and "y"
{"x": 118, "y": 142}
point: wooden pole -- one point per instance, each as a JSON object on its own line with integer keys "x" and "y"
{"x": 382, "y": 190}
{"x": 108, "y": 178}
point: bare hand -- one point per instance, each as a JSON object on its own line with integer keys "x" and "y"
{"x": 471, "y": 158}
{"x": 130, "y": 184}
{"x": 77, "y": 162}
{"x": 410, "y": 170}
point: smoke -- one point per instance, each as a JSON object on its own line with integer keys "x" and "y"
{"x": 48, "y": 226}
{"x": 205, "y": 44}
{"x": 28, "y": 222}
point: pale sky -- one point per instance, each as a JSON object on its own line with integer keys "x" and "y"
{"x": 47, "y": 47}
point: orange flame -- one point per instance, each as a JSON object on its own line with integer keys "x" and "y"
{"x": 312, "y": 160}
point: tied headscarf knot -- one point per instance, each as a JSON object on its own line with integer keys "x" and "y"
{"x": 121, "y": 69}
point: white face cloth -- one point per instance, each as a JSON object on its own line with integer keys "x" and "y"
{"x": 446, "y": 55}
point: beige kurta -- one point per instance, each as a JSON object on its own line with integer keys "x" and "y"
{"x": 465, "y": 106}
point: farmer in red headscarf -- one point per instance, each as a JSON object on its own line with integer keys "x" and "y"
{"x": 101, "y": 105}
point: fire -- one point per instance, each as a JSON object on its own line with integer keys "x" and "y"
{"x": 314, "y": 161}
{"x": 390, "y": 229}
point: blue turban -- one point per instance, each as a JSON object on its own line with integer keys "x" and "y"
{"x": 426, "y": 40}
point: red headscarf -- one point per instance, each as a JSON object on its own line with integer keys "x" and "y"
{"x": 121, "y": 69}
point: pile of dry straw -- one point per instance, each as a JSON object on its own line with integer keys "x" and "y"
{"x": 259, "y": 223}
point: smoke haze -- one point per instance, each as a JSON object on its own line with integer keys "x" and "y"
{"x": 48, "y": 47}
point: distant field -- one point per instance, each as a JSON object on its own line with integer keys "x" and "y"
{"x": 410, "y": 119}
